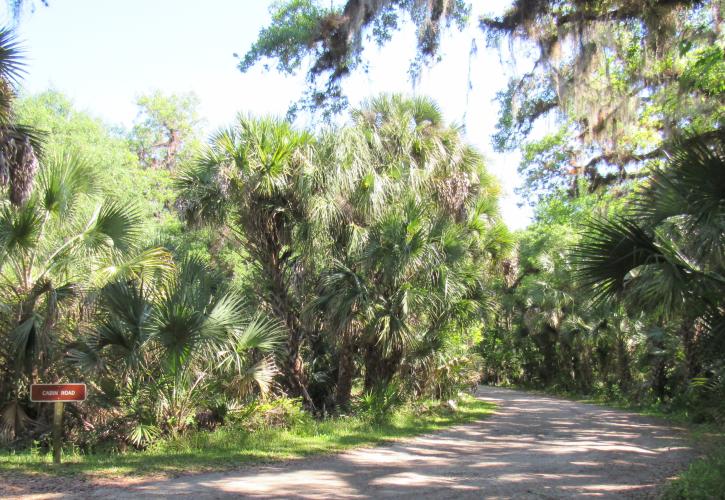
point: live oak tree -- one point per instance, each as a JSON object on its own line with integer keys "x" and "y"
{"x": 165, "y": 131}
{"x": 334, "y": 36}
{"x": 621, "y": 77}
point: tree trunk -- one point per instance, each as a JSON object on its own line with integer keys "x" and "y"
{"x": 282, "y": 306}
{"x": 345, "y": 372}
{"x": 688, "y": 336}
{"x": 624, "y": 373}
{"x": 379, "y": 369}
{"x": 546, "y": 341}
{"x": 295, "y": 369}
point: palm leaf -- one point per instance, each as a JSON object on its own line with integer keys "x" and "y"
{"x": 113, "y": 227}
{"x": 609, "y": 251}
{"x": 691, "y": 188}
{"x": 63, "y": 180}
{"x": 146, "y": 266}
{"x": 12, "y": 66}
{"x": 19, "y": 227}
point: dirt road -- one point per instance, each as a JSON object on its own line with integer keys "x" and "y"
{"x": 533, "y": 447}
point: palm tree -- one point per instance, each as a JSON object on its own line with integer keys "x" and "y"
{"x": 18, "y": 143}
{"x": 174, "y": 344}
{"x": 666, "y": 253}
{"x": 253, "y": 178}
{"x": 356, "y": 235}
{"x": 55, "y": 249}
{"x": 407, "y": 213}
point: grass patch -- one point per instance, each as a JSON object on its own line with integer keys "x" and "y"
{"x": 704, "y": 478}
{"x": 231, "y": 446}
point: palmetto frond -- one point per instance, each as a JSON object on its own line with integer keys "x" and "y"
{"x": 12, "y": 65}
{"x": 112, "y": 227}
{"x": 343, "y": 294}
{"x": 610, "y": 250}
{"x": 19, "y": 228}
{"x": 63, "y": 180}
{"x": 690, "y": 191}
{"x": 260, "y": 333}
{"x": 13, "y": 420}
{"x": 668, "y": 251}
{"x": 201, "y": 194}
{"x": 147, "y": 266}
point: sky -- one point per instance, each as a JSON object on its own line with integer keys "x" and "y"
{"x": 103, "y": 54}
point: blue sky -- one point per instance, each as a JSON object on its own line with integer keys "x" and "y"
{"x": 104, "y": 53}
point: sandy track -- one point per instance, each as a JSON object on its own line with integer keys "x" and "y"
{"x": 533, "y": 447}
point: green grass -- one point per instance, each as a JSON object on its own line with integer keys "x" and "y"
{"x": 704, "y": 478}
{"x": 229, "y": 447}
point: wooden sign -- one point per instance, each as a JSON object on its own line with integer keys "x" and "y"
{"x": 58, "y": 394}
{"x": 49, "y": 393}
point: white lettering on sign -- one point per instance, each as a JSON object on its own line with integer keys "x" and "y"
{"x": 57, "y": 392}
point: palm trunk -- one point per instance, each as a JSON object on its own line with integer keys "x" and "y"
{"x": 624, "y": 375}
{"x": 345, "y": 372}
{"x": 379, "y": 369}
{"x": 689, "y": 335}
{"x": 295, "y": 369}
{"x": 282, "y": 307}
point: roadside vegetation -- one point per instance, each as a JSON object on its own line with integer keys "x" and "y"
{"x": 362, "y": 268}
{"x": 265, "y": 432}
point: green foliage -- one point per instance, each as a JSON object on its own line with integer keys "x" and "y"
{"x": 73, "y": 136}
{"x": 704, "y": 478}
{"x": 278, "y": 413}
{"x": 185, "y": 338}
{"x": 393, "y": 219}
{"x": 232, "y": 444}
{"x": 332, "y": 39}
{"x": 143, "y": 434}
{"x": 56, "y": 250}
{"x": 165, "y": 133}
{"x": 379, "y": 403}
{"x": 667, "y": 252}
{"x": 291, "y": 32}
{"x": 620, "y": 295}
{"x": 619, "y": 77}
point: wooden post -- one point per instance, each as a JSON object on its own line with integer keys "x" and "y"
{"x": 57, "y": 431}
{"x": 57, "y": 394}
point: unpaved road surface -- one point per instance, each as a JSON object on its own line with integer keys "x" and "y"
{"x": 533, "y": 447}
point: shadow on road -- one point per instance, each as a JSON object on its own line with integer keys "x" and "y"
{"x": 533, "y": 447}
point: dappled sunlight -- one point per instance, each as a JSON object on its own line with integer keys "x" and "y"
{"x": 532, "y": 447}
{"x": 413, "y": 479}
{"x": 288, "y": 483}
{"x": 400, "y": 457}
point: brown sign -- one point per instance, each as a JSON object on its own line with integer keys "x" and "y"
{"x": 57, "y": 392}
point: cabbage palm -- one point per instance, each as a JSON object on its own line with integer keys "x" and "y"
{"x": 185, "y": 336}
{"x": 408, "y": 214}
{"x": 252, "y": 177}
{"x": 665, "y": 253}
{"x": 18, "y": 143}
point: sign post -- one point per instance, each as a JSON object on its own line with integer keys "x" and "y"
{"x": 57, "y": 430}
{"x": 57, "y": 394}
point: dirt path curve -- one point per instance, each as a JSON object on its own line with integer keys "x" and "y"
{"x": 533, "y": 447}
